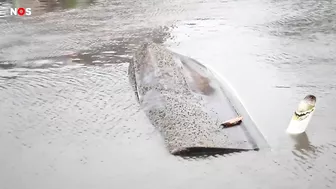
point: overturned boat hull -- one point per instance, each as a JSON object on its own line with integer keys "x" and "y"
{"x": 186, "y": 102}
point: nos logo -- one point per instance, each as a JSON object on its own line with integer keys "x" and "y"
{"x": 20, "y": 11}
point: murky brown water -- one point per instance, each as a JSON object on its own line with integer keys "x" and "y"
{"x": 69, "y": 118}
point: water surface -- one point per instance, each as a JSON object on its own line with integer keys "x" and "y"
{"x": 69, "y": 118}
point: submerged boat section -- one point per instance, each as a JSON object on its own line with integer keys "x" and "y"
{"x": 188, "y": 104}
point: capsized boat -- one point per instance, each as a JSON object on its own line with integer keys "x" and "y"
{"x": 189, "y": 105}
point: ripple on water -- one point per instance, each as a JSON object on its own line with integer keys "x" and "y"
{"x": 82, "y": 102}
{"x": 70, "y": 126}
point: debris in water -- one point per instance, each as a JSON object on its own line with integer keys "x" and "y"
{"x": 232, "y": 122}
{"x": 302, "y": 115}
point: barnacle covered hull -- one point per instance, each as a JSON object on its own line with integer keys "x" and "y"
{"x": 186, "y": 103}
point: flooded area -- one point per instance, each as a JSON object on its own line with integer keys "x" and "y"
{"x": 69, "y": 117}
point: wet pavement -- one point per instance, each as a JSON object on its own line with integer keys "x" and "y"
{"x": 69, "y": 118}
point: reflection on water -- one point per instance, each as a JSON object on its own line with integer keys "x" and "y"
{"x": 75, "y": 3}
{"x": 303, "y": 149}
{"x": 302, "y": 142}
{"x": 120, "y": 50}
{"x": 40, "y": 7}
